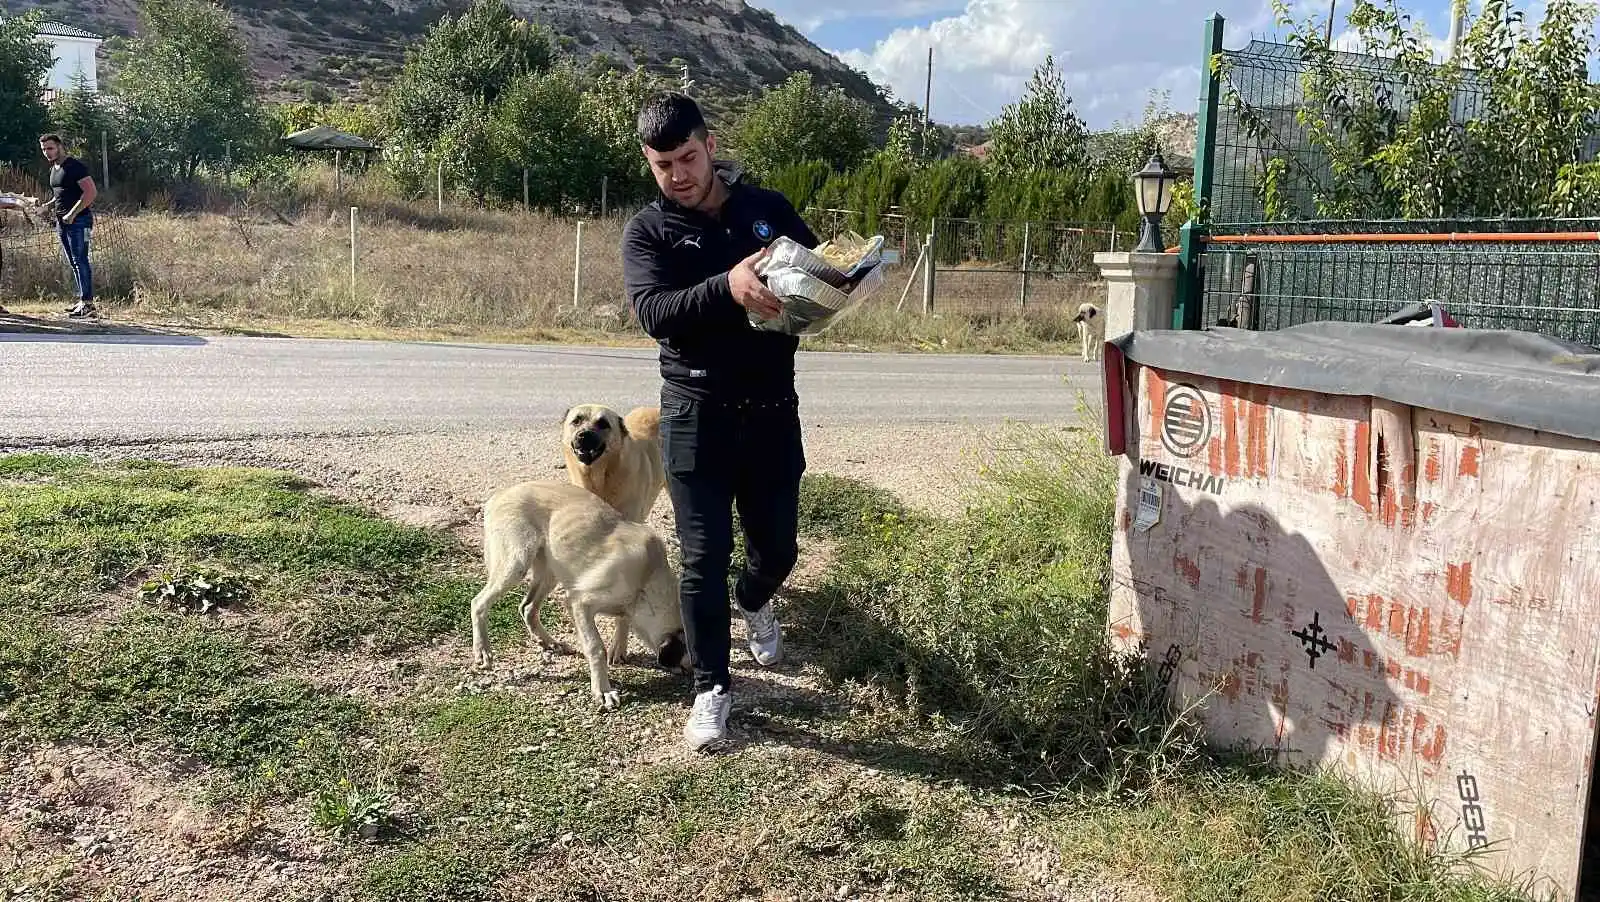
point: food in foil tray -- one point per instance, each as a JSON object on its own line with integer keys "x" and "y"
{"x": 848, "y": 251}
{"x": 819, "y": 285}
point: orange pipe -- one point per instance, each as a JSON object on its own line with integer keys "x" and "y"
{"x": 1414, "y": 238}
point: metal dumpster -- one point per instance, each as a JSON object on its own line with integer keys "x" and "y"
{"x": 1376, "y": 549}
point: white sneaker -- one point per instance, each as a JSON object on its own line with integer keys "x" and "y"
{"x": 765, "y": 635}
{"x": 708, "y": 721}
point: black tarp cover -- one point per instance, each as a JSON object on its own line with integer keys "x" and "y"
{"x": 1515, "y": 378}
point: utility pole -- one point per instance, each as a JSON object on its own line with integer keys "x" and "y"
{"x": 927, "y": 94}
{"x": 1332, "y": 5}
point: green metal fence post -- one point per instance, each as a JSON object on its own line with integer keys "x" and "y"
{"x": 1191, "y": 237}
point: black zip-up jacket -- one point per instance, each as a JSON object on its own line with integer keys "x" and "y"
{"x": 675, "y": 264}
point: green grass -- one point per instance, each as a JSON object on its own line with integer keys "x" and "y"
{"x": 993, "y": 624}
{"x": 965, "y": 670}
{"x": 996, "y": 620}
{"x": 163, "y": 682}
{"x": 1230, "y": 832}
{"x": 70, "y": 533}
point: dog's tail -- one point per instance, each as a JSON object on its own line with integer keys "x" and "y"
{"x": 644, "y": 423}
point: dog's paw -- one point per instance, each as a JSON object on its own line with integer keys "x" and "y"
{"x": 609, "y": 701}
{"x": 557, "y": 648}
{"x": 482, "y": 660}
{"x": 618, "y": 656}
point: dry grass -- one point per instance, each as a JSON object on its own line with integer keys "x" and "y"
{"x": 284, "y": 266}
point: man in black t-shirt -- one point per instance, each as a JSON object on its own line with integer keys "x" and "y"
{"x": 73, "y": 193}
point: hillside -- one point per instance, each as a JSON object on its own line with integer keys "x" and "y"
{"x": 347, "y": 47}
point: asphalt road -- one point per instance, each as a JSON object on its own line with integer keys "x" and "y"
{"x": 88, "y": 388}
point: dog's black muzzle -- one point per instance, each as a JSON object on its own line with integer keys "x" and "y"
{"x": 588, "y": 446}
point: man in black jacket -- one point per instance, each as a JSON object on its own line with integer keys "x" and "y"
{"x": 730, "y": 418}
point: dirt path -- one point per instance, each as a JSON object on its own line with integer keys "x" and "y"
{"x": 432, "y": 478}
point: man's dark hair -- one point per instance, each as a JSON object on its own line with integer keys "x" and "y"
{"x": 52, "y": 137}
{"x": 668, "y": 120}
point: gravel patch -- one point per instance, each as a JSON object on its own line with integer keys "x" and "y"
{"x": 438, "y": 479}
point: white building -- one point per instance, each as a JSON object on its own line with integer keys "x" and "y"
{"x": 73, "y": 53}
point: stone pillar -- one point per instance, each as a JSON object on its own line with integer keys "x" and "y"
{"x": 1141, "y": 291}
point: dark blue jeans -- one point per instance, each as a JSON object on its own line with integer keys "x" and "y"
{"x": 720, "y": 456}
{"x": 75, "y": 243}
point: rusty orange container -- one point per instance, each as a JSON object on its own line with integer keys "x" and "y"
{"x": 1375, "y": 549}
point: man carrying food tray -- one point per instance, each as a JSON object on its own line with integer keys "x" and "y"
{"x": 730, "y": 417}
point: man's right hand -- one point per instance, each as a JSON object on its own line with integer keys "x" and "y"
{"x": 748, "y": 290}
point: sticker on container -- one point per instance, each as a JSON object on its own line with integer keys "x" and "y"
{"x": 1149, "y": 505}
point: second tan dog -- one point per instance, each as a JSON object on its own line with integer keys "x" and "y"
{"x": 617, "y": 458}
{"x": 548, "y": 533}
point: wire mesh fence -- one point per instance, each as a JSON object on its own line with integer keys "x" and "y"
{"x": 1547, "y": 283}
{"x": 33, "y": 264}
{"x": 1261, "y": 133}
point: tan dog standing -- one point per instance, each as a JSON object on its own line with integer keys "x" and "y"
{"x": 618, "y": 459}
{"x": 549, "y": 533}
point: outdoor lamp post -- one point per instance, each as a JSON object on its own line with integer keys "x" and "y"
{"x": 1153, "y": 186}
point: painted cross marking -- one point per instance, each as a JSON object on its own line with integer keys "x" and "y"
{"x": 1315, "y": 639}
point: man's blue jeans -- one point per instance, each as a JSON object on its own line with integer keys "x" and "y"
{"x": 75, "y": 242}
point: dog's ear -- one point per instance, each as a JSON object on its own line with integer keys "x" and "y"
{"x": 622, "y": 427}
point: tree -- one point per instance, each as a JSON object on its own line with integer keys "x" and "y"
{"x": 1041, "y": 131}
{"x": 465, "y": 63}
{"x": 800, "y": 183}
{"x": 610, "y": 112}
{"x": 538, "y": 127}
{"x": 24, "y": 60}
{"x": 80, "y": 116}
{"x": 186, "y": 85}
{"x": 1498, "y": 131}
{"x": 954, "y": 187}
{"x": 912, "y": 141}
{"x": 795, "y": 122}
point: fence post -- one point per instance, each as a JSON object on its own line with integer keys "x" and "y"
{"x": 930, "y": 266}
{"x": 105, "y": 163}
{"x": 438, "y": 184}
{"x": 1027, "y": 236}
{"x": 353, "y": 255}
{"x": 524, "y": 189}
{"x": 577, "y": 269}
{"x": 1191, "y": 237}
{"x": 605, "y": 186}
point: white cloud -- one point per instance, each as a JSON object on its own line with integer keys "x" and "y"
{"x": 1111, "y": 53}
{"x": 809, "y": 15}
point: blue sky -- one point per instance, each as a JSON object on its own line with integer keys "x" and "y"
{"x": 1113, "y": 52}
